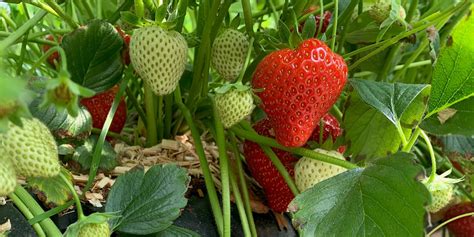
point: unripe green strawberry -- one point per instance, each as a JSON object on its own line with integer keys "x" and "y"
{"x": 234, "y": 105}
{"x": 381, "y": 11}
{"x": 309, "y": 172}
{"x": 228, "y": 53}
{"x": 441, "y": 190}
{"x": 7, "y": 176}
{"x": 95, "y": 230}
{"x": 32, "y": 149}
{"x": 159, "y": 57}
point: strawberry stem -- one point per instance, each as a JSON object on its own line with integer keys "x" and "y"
{"x": 253, "y": 136}
{"x": 401, "y": 134}
{"x": 281, "y": 168}
{"x": 224, "y": 168}
{"x": 27, "y": 213}
{"x": 243, "y": 183}
{"x": 334, "y": 29}
{"x": 152, "y": 136}
{"x": 12, "y": 38}
{"x": 62, "y": 14}
{"x": 210, "y": 186}
{"x": 449, "y": 221}
{"x": 97, "y": 155}
{"x": 431, "y": 19}
{"x": 432, "y": 156}
{"x": 413, "y": 138}
{"x": 247, "y": 61}
{"x": 168, "y": 115}
{"x": 80, "y": 213}
{"x": 159, "y": 122}
{"x": 248, "y": 18}
{"x": 47, "y": 224}
{"x": 240, "y": 205}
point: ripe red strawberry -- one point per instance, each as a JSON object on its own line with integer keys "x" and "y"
{"x": 298, "y": 87}
{"x": 125, "y": 50}
{"x": 331, "y": 127}
{"x": 463, "y": 227}
{"x": 99, "y": 106}
{"x": 55, "y": 56}
{"x": 276, "y": 190}
{"x": 326, "y": 19}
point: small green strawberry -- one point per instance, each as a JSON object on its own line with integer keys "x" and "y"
{"x": 228, "y": 53}
{"x": 309, "y": 172}
{"x": 7, "y": 176}
{"x": 159, "y": 57}
{"x": 95, "y": 230}
{"x": 441, "y": 190}
{"x": 32, "y": 149}
{"x": 234, "y": 105}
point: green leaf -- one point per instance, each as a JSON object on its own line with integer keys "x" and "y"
{"x": 83, "y": 155}
{"x": 383, "y": 199}
{"x": 176, "y": 231}
{"x": 370, "y": 134}
{"x": 309, "y": 28}
{"x": 391, "y": 99}
{"x": 462, "y": 145}
{"x": 94, "y": 55}
{"x": 459, "y": 123}
{"x": 453, "y": 75}
{"x": 54, "y": 188}
{"x": 148, "y": 202}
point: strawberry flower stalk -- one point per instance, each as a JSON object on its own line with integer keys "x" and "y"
{"x": 440, "y": 187}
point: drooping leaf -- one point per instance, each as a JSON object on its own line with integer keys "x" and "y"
{"x": 370, "y": 134}
{"x": 94, "y": 55}
{"x": 83, "y": 155}
{"x": 148, "y": 202}
{"x": 64, "y": 127}
{"x": 383, "y": 199}
{"x": 453, "y": 75}
{"x": 54, "y": 188}
{"x": 391, "y": 99}
{"x": 462, "y": 145}
{"x": 460, "y": 122}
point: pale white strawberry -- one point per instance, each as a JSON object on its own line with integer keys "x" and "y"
{"x": 228, "y": 53}
{"x": 7, "y": 176}
{"x": 159, "y": 57}
{"x": 31, "y": 148}
{"x": 441, "y": 190}
{"x": 309, "y": 172}
{"x": 234, "y": 105}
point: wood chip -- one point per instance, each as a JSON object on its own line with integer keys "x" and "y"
{"x": 106, "y": 181}
{"x": 170, "y": 144}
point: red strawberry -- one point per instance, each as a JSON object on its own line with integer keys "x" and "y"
{"x": 463, "y": 227}
{"x": 326, "y": 19}
{"x": 99, "y": 106}
{"x": 331, "y": 127}
{"x": 55, "y": 56}
{"x": 299, "y": 87}
{"x": 276, "y": 190}
{"x": 125, "y": 50}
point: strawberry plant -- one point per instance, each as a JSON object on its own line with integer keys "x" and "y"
{"x": 341, "y": 118}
